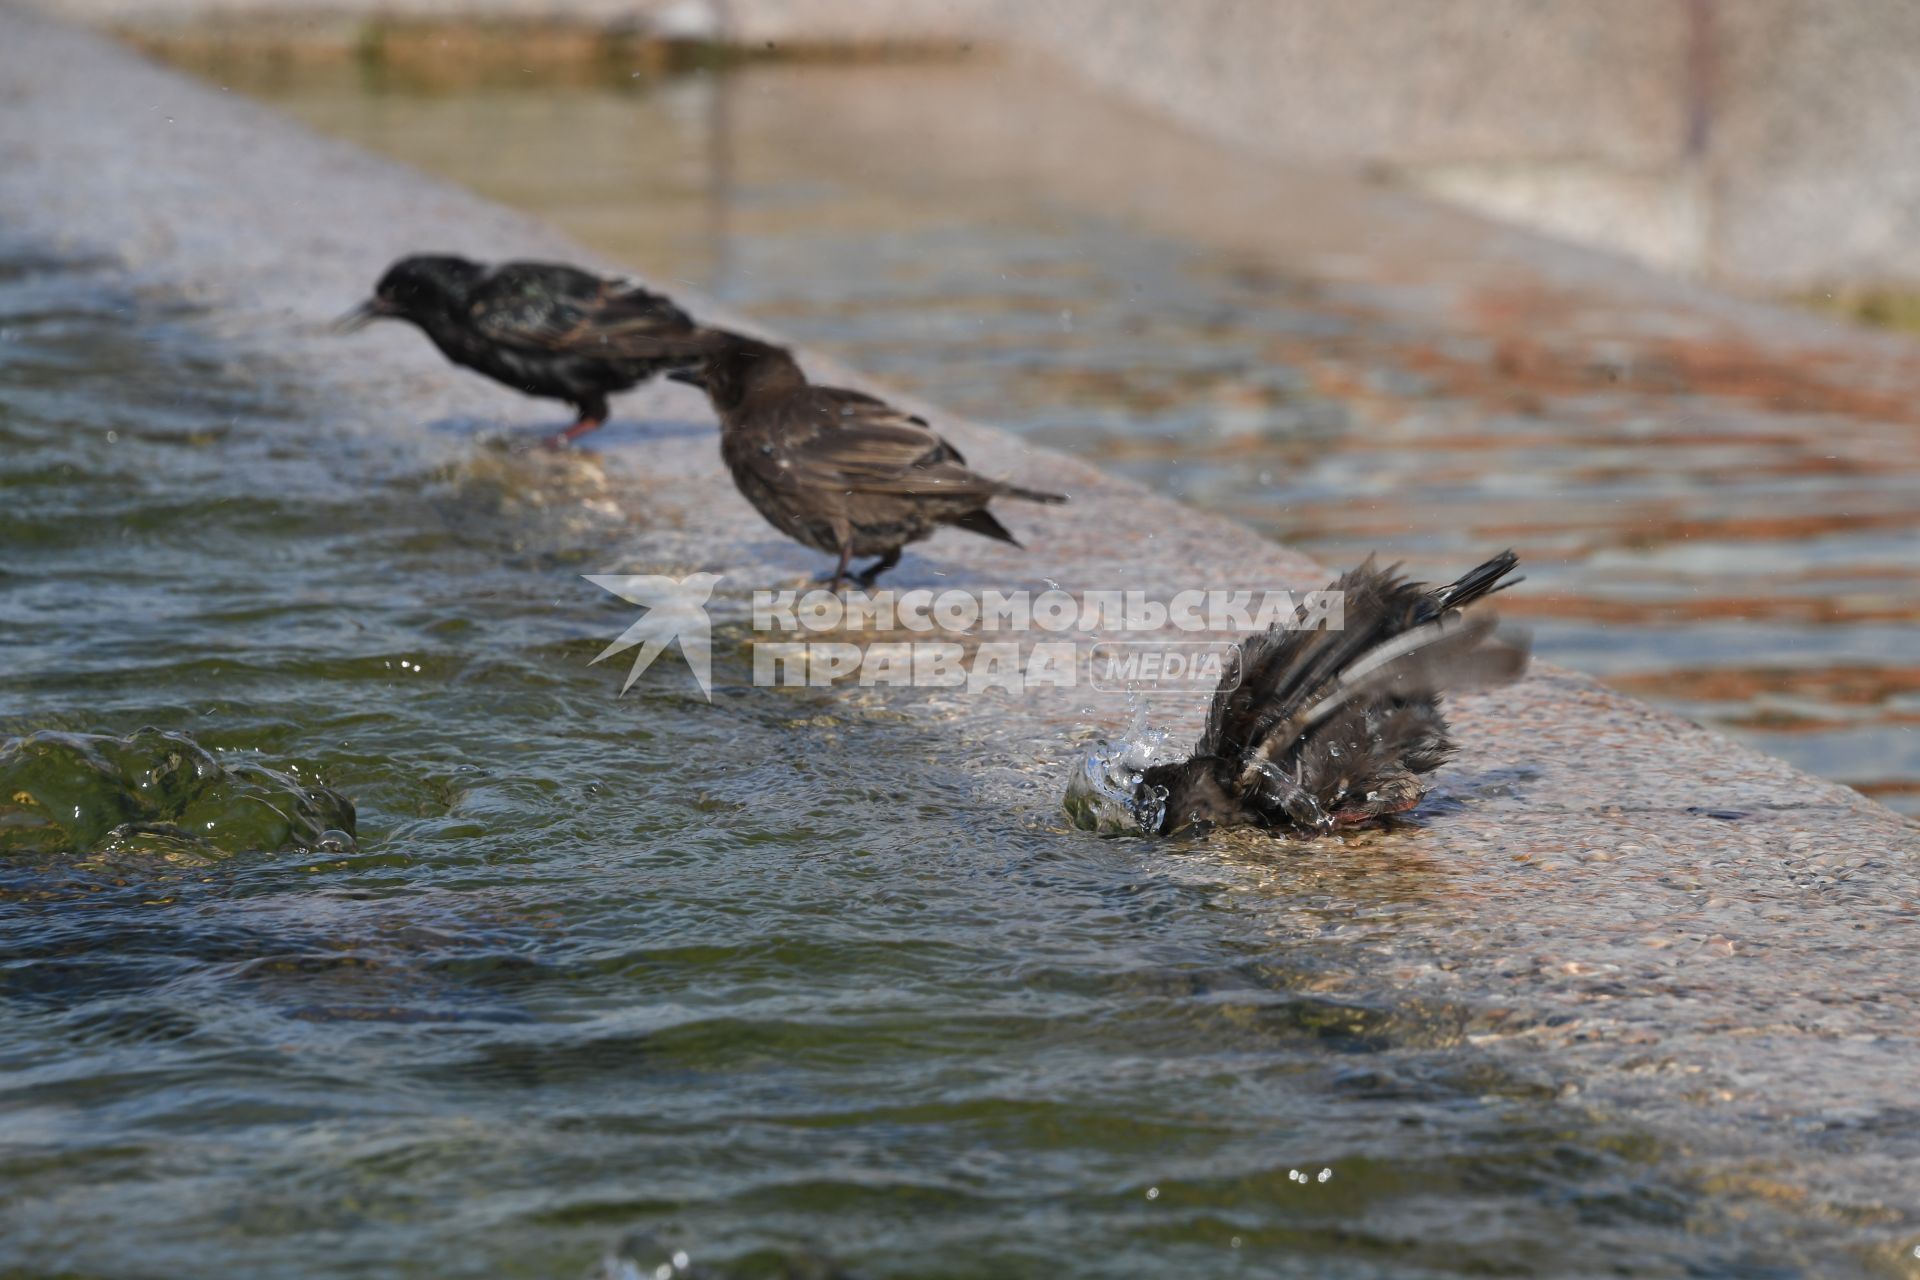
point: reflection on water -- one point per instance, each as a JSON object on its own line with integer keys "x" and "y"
{"x": 1725, "y": 539}
{"x": 726, "y": 975}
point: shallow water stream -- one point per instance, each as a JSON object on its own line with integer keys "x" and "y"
{"x": 757, "y": 978}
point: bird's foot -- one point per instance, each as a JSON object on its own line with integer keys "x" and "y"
{"x": 562, "y": 439}
{"x": 871, "y": 574}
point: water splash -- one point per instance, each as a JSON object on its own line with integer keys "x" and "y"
{"x": 1104, "y": 794}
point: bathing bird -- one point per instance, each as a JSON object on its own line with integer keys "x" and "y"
{"x": 543, "y": 328}
{"x": 839, "y": 470}
{"x": 1321, "y": 730}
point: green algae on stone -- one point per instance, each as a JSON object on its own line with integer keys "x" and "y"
{"x": 156, "y": 792}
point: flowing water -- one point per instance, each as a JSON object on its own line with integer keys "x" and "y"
{"x": 1748, "y": 567}
{"x": 719, "y": 975}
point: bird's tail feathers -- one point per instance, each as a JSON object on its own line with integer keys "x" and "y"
{"x": 1034, "y": 495}
{"x": 982, "y": 522}
{"x": 1479, "y": 582}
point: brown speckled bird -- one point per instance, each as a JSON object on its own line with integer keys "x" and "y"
{"x": 840, "y": 470}
{"x": 543, "y": 328}
{"x": 1320, "y": 730}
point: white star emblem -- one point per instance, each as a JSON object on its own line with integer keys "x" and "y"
{"x": 675, "y": 610}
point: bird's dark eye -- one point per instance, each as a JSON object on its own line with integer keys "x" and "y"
{"x": 767, "y": 450}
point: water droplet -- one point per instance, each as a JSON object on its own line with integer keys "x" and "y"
{"x": 1325, "y": 1174}
{"x": 1153, "y": 1193}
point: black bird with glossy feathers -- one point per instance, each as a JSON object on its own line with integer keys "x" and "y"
{"x": 1314, "y": 731}
{"x": 836, "y": 469}
{"x": 543, "y": 328}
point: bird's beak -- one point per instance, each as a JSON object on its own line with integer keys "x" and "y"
{"x": 363, "y": 315}
{"x": 693, "y": 377}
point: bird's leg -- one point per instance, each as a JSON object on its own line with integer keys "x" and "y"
{"x": 843, "y": 535}
{"x": 838, "y": 578}
{"x": 593, "y": 416}
{"x": 561, "y": 439}
{"x": 868, "y": 575}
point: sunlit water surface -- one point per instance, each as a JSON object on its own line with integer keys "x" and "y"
{"x": 1753, "y": 574}
{"x": 758, "y": 978}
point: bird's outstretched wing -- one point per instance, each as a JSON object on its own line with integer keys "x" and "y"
{"x": 1321, "y": 729}
{"x": 1399, "y": 639}
{"x": 551, "y": 307}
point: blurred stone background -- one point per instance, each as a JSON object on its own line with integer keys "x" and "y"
{"x": 1763, "y": 145}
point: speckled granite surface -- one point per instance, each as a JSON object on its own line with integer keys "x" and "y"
{"x": 1643, "y": 916}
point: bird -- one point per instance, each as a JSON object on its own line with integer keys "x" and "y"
{"x": 1322, "y": 730}
{"x": 543, "y": 328}
{"x": 839, "y": 470}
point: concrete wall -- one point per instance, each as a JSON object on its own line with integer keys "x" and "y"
{"x": 1814, "y": 151}
{"x": 1387, "y": 81}
{"x": 1765, "y": 143}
